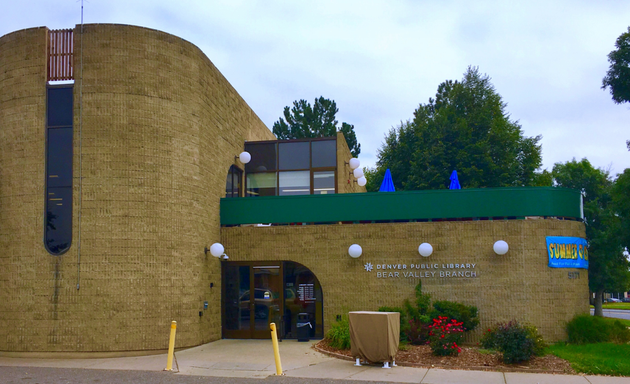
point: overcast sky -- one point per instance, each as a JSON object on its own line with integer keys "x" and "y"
{"x": 380, "y": 59}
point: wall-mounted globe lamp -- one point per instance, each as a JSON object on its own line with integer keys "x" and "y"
{"x": 358, "y": 173}
{"x": 216, "y": 250}
{"x": 362, "y": 181}
{"x": 245, "y": 157}
{"x": 354, "y": 163}
{"x": 355, "y": 251}
{"x": 425, "y": 249}
{"x": 500, "y": 247}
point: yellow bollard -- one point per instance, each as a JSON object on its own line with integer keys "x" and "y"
{"x": 276, "y": 351}
{"x": 171, "y": 347}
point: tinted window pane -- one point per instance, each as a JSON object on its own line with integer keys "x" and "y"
{"x": 59, "y": 107}
{"x": 323, "y": 182}
{"x": 261, "y": 184}
{"x": 294, "y": 155}
{"x": 263, "y": 157}
{"x": 294, "y": 183}
{"x": 58, "y": 219}
{"x": 236, "y": 281}
{"x": 59, "y": 162}
{"x": 233, "y": 182}
{"x": 228, "y": 184}
{"x": 324, "y": 153}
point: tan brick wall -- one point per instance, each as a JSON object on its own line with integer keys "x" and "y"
{"x": 159, "y": 129}
{"x": 346, "y": 182}
{"x": 518, "y": 285}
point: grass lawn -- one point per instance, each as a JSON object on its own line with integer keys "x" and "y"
{"x": 597, "y": 359}
{"x": 616, "y": 306}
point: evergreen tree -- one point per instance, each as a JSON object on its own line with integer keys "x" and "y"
{"x": 465, "y": 128}
{"x": 306, "y": 121}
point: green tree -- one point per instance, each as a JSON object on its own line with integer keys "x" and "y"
{"x": 608, "y": 267}
{"x": 465, "y": 128}
{"x": 617, "y": 78}
{"x": 621, "y": 203}
{"x": 306, "y": 121}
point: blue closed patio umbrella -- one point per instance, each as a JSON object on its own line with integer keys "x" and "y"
{"x": 454, "y": 181}
{"x": 387, "y": 185}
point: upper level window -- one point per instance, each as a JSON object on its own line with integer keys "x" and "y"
{"x": 261, "y": 184}
{"x": 294, "y": 183}
{"x": 323, "y": 182}
{"x": 263, "y": 157}
{"x": 296, "y": 167}
{"x": 294, "y": 155}
{"x": 324, "y": 153}
{"x": 59, "y": 134}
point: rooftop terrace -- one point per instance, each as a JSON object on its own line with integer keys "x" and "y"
{"x": 431, "y": 205}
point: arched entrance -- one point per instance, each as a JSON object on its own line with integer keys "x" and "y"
{"x": 282, "y": 290}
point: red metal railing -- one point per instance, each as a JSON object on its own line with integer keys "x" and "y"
{"x": 60, "y": 55}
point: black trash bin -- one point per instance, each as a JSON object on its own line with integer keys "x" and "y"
{"x": 303, "y": 327}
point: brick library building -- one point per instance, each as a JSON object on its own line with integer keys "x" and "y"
{"x": 137, "y": 187}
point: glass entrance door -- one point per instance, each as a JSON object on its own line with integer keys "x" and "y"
{"x": 267, "y": 303}
{"x": 252, "y": 299}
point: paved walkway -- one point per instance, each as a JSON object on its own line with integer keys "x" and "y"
{"x": 254, "y": 359}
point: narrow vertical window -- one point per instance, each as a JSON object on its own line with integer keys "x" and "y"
{"x": 233, "y": 183}
{"x": 58, "y": 215}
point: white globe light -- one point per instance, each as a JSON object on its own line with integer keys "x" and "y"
{"x": 357, "y": 172}
{"x": 216, "y": 249}
{"x": 354, "y": 163}
{"x": 500, "y": 247}
{"x": 362, "y": 181}
{"x": 355, "y": 250}
{"x": 425, "y": 249}
{"x": 245, "y": 157}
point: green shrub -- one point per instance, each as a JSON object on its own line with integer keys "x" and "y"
{"x": 539, "y": 343}
{"x": 587, "y": 329}
{"x": 414, "y": 320}
{"x": 516, "y": 341}
{"x": 423, "y": 302}
{"x": 464, "y": 313}
{"x": 489, "y": 340}
{"x": 339, "y": 335}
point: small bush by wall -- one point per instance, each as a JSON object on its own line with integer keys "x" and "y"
{"x": 516, "y": 341}
{"x": 587, "y": 329}
{"x": 339, "y": 334}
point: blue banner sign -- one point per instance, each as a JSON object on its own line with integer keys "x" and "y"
{"x": 567, "y": 252}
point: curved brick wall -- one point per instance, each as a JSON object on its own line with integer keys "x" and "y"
{"x": 160, "y": 127}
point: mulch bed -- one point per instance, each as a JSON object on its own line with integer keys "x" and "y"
{"x": 470, "y": 358}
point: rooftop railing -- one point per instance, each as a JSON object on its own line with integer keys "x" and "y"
{"x": 432, "y": 205}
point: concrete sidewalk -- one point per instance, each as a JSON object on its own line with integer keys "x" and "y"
{"x": 254, "y": 359}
